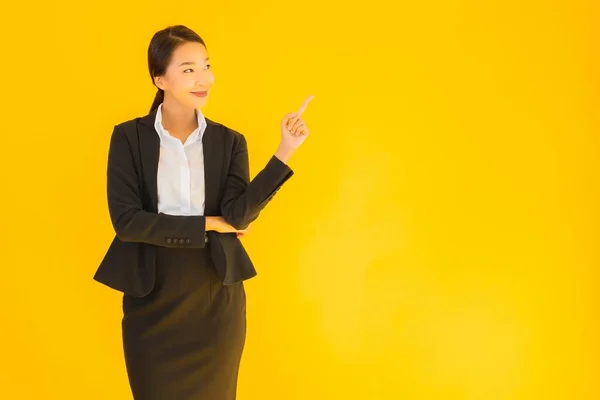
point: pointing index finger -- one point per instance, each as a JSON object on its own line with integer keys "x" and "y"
{"x": 303, "y": 106}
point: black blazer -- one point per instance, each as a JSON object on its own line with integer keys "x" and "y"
{"x": 128, "y": 265}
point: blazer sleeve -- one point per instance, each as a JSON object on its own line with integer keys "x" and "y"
{"x": 242, "y": 199}
{"x": 130, "y": 221}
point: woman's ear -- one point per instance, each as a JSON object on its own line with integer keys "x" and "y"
{"x": 158, "y": 81}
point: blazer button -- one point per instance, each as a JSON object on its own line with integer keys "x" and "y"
{"x": 181, "y": 241}
{"x": 169, "y": 240}
{"x": 188, "y": 241}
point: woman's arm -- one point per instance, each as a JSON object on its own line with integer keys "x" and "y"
{"x": 243, "y": 200}
{"x": 130, "y": 222}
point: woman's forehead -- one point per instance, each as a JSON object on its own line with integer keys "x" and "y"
{"x": 190, "y": 52}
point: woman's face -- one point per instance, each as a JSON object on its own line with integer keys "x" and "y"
{"x": 188, "y": 78}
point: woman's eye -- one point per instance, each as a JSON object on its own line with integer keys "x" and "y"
{"x": 208, "y": 66}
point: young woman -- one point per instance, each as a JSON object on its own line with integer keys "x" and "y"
{"x": 180, "y": 198}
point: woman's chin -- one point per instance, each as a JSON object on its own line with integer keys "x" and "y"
{"x": 197, "y": 101}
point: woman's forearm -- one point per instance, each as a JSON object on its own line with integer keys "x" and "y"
{"x": 211, "y": 224}
{"x": 284, "y": 153}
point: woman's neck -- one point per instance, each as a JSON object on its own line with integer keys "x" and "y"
{"x": 177, "y": 119}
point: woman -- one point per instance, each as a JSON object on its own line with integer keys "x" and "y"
{"x": 179, "y": 198}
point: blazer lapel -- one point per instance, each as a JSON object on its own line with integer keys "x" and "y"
{"x": 212, "y": 145}
{"x": 150, "y": 151}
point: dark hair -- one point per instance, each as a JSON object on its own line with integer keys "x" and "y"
{"x": 160, "y": 52}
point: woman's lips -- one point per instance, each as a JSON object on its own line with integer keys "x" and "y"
{"x": 200, "y": 94}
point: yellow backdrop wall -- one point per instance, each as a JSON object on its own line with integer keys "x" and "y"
{"x": 439, "y": 239}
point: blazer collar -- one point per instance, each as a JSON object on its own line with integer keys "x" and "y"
{"x": 196, "y": 135}
{"x": 212, "y": 145}
{"x": 148, "y": 120}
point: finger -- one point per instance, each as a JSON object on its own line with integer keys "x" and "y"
{"x": 292, "y": 120}
{"x": 287, "y": 117}
{"x": 296, "y": 124}
{"x": 303, "y": 130}
{"x": 303, "y": 106}
{"x": 285, "y": 122}
{"x": 297, "y": 128}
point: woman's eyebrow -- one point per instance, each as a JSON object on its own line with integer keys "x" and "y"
{"x": 191, "y": 62}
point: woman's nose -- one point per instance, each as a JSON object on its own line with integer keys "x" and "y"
{"x": 206, "y": 78}
{"x": 204, "y": 83}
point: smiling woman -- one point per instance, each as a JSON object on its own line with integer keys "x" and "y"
{"x": 185, "y": 72}
{"x": 180, "y": 198}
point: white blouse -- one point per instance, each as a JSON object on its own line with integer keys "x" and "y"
{"x": 180, "y": 177}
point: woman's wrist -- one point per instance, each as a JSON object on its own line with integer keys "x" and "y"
{"x": 284, "y": 152}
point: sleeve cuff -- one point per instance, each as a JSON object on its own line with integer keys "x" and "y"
{"x": 280, "y": 168}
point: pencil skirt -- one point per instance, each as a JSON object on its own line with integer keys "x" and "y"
{"x": 184, "y": 340}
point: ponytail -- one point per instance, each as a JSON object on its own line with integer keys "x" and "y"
{"x": 159, "y": 98}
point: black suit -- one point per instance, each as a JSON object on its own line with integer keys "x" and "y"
{"x": 184, "y": 303}
{"x": 128, "y": 265}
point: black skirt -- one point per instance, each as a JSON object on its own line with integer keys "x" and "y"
{"x": 184, "y": 340}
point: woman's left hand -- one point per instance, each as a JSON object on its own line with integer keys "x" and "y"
{"x": 293, "y": 127}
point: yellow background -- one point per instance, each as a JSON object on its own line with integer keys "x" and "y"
{"x": 439, "y": 239}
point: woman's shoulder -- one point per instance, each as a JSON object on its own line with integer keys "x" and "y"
{"x": 128, "y": 124}
{"x": 224, "y": 129}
